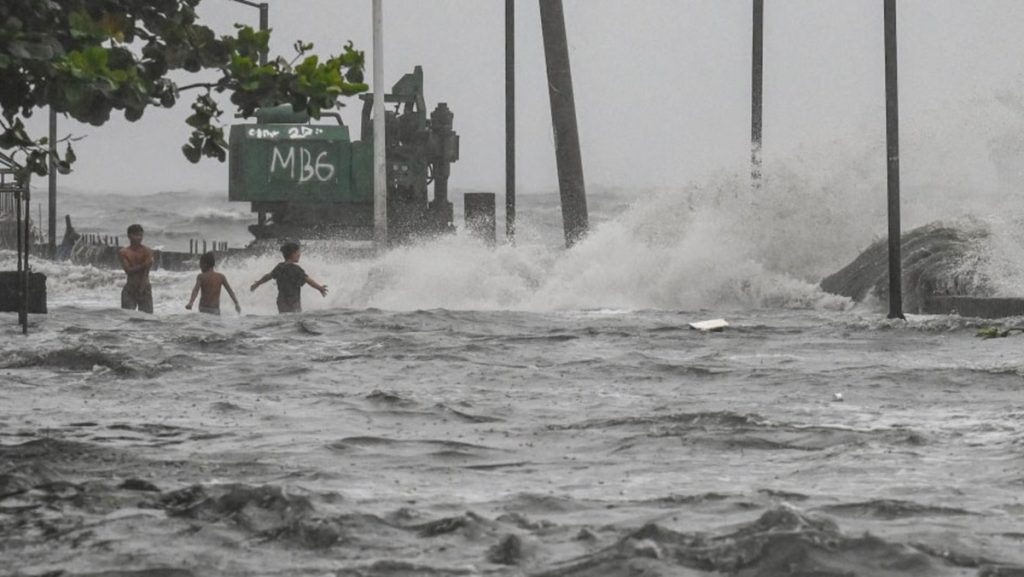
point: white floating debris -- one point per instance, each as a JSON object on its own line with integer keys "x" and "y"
{"x": 838, "y": 397}
{"x": 711, "y": 325}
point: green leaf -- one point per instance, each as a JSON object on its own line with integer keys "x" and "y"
{"x": 80, "y": 24}
{"x": 87, "y": 58}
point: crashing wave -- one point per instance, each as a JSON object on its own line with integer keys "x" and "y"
{"x": 939, "y": 259}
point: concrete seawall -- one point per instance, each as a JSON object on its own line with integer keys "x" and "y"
{"x": 942, "y": 264}
{"x": 981, "y": 307}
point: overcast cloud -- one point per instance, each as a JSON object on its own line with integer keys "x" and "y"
{"x": 662, "y": 86}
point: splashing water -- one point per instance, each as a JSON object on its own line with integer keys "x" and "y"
{"x": 526, "y": 436}
{"x": 713, "y": 244}
{"x": 705, "y": 247}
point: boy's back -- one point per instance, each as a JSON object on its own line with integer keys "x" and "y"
{"x": 210, "y": 283}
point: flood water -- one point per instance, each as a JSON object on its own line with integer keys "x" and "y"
{"x": 456, "y": 410}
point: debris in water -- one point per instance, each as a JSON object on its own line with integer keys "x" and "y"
{"x": 713, "y": 325}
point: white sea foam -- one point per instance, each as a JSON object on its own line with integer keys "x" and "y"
{"x": 672, "y": 249}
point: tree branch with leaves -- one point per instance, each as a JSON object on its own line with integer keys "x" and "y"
{"x": 89, "y": 58}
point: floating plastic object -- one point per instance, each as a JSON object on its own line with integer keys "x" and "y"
{"x": 713, "y": 325}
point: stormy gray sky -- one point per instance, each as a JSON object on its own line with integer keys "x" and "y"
{"x": 662, "y": 86}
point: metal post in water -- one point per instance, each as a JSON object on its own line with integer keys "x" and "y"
{"x": 510, "y": 120}
{"x": 563, "y": 119}
{"x": 264, "y": 26}
{"x": 22, "y": 232}
{"x": 757, "y": 86}
{"x": 380, "y": 189}
{"x": 52, "y": 208}
{"x": 28, "y": 249}
{"x": 892, "y": 123}
{"x": 17, "y": 233}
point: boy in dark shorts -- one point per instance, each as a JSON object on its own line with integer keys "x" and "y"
{"x": 209, "y": 282}
{"x": 290, "y": 277}
{"x": 136, "y": 260}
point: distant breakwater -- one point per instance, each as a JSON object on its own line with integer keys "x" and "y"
{"x": 102, "y": 251}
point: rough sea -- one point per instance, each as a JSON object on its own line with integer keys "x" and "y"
{"x": 454, "y": 409}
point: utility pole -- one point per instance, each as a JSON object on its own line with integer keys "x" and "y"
{"x": 261, "y": 216}
{"x": 51, "y": 224}
{"x": 264, "y": 22}
{"x": 892, "y": 124}
{"x": 380, "y": 190}
{"x": 757, "y": 86}
{"x": 264, "y": 26}
{"x": 563, "y": 119}
{"x": 510, "y": 120}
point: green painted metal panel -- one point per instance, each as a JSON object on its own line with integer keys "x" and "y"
{"x": 362, "y": 171}
{"x": 291, "y": 162}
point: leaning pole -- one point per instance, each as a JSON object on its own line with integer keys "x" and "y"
{"x": 892, "y": 133}
{"x": 757, "y": 94}
{"x": 563, "y": 119}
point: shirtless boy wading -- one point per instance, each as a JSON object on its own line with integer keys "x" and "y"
{"x": 208, "y": 284}
{"x": 136, "y": 259}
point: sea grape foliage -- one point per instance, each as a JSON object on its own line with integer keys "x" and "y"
{"x": 90, "y": 58}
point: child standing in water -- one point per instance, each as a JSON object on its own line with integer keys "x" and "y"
{"x": 136, "y": 259}
{"x": 290, "y": 277}
{"x": 209, "y": 283}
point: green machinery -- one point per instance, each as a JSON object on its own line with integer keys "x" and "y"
{"x": 313, "y": 181}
